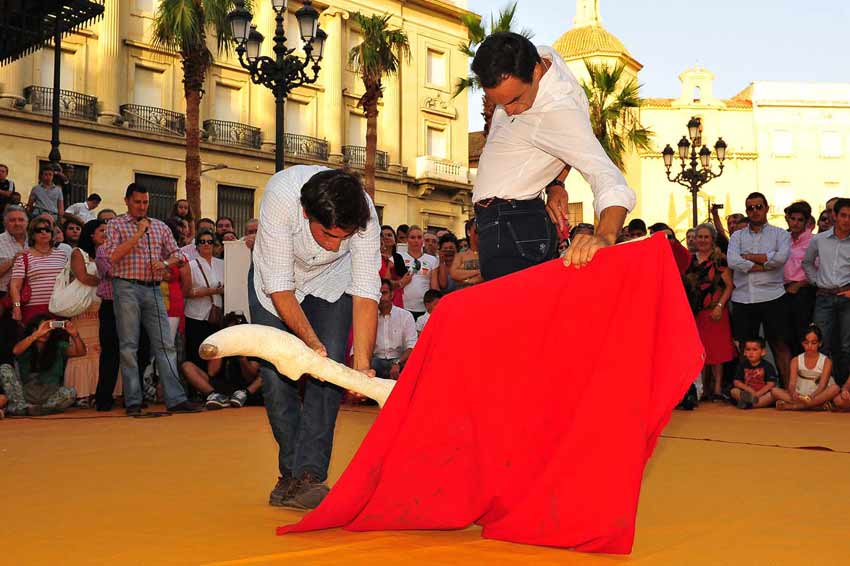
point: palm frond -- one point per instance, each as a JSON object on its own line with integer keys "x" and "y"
{"x": 381, "y": 51}
{"x": 178, "y": 25}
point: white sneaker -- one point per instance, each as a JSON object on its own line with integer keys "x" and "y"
{"x": 216, "y": 401}
{"x": 238, "y": 399}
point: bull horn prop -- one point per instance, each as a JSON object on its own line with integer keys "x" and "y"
{"x": 292, "y": 358}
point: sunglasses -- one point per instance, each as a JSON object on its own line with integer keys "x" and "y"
{"x": 205, "y": 242}
{"x": 753, "y": 207}
{"x": 43, "y": 230}
{"x": 417, "y": 265}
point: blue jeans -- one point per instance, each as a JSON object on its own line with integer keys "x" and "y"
{"x": 382, "y": 366}
{"x": 132, "y": 303}
{"x": 830, "y": 309}
{"x": 304, "y": 432}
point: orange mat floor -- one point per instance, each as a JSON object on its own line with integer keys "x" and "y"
{"x": 724, "y": 487}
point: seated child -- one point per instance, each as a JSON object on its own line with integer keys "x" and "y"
{"x": 431, "y": 298}
{"x": 811, "y": 385}
{"x": 755, "y": 377}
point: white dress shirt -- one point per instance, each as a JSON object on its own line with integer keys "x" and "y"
{"x": 758, "y": 286}
{"x": 287, "y": 257}
{"x": 526, "y": 151}
{"x": 81, "y": 211}
{"x": 396, "y": 333}
{"x": 9, "y": 246}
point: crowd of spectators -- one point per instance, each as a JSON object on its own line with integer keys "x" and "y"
{"x": 771, "y": 304}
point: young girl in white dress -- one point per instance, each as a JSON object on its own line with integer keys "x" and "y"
{"x": 810, "y": 385}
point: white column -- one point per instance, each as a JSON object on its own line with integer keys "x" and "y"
{"x": 11, "y": 83}
{"x": 110, "y": 68}
{"x": 331, "y": 75}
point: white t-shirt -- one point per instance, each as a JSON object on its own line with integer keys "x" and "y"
{"x": 81, "y": 211}
{"x": 421, "y": 282}
{"x": 198, "y": 308}
{"x": 421, "y": 321}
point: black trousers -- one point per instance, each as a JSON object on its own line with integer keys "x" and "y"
{"x": 108, "y": 369}
{"x": 801, "y": 306}
{"x": 514, "y": 235}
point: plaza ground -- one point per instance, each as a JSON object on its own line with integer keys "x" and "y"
{"x": 724, "y": 487}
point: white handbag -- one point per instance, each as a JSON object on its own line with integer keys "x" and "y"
{"x": 71, "y": 298}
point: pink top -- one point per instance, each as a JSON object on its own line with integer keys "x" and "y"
{"x": 104, "y": 270}
{"x": 41, "y": 274}
{"x": 794, "y": 265}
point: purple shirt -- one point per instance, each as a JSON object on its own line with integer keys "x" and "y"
{"x": 104, "y": 271}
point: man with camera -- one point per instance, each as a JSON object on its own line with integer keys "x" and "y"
{"x": 141, "y": 250}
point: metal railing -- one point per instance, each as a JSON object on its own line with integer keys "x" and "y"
{"x": 297, "y": 145}
{"x": 155, "y": 120}
{"x": 71, "y": 104}
{"x": 355, "y": 156}
{"x": 233, "y": 133}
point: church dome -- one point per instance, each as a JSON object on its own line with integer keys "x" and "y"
{"x": 589, "y": 40}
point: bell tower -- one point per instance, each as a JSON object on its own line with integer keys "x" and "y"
{"x": 587, "y": 13}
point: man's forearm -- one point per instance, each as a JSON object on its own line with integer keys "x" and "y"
{"x": 611, "y": 222}
{"x": 6, "y": 265}
{"x": 293, "y": 317}
{"x": 405, "y": 356}
{"x": 365, "y": 314}
{"x": 123, "y": 249}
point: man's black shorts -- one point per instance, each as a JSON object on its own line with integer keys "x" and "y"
{"x": 747, "y": 318}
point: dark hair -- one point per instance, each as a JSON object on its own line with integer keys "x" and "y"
{"x": 839, "y": 204}
{"x": 431, "y": 295}
{"x": 94, "y": 197}
{"x": 34, "y": 224}
{"x": 385, "y": 281}
{"x": 757, "y": 194}
{"x": 637, "y": 224}
{"x": 72, "y": 220}
{"x": 468, "y": 225}
{"x": 446, "y": 238}
{"x": 205, "y": 232}
{"x": 799, "y": 207}
{"x": 86, "y": 243}
{"x": 224, "y": 218}
{"x": 403, "y": 228}
{"x": 756, "y": 340}
{"x": 190, "y": 216}
{"x": 234, "y": 317}
{"x": 135, "y": 188}
{"x": 336, "y": 199}
{"x": 173, "y": 224}
{"x": 45, "y": 169}
{"x": 659, "y": 227}
{"x": 106, "y": 210}
{"x": 504, "y": 54}
{"x": 814, "y": 329}
{"x": 43, "y": 360}
{"x": 202, "y": 220}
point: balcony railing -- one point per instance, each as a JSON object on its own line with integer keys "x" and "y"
{"x": 355, "y": 156}
{"x": 439, "y": 168}
{"x": 233, "y": 133}
{"x": 155, "y": 120}
{"x": 71, "y": 104}
{"x": 297, "y": 145}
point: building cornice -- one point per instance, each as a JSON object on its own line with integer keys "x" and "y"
{"x": 444, "y": 8}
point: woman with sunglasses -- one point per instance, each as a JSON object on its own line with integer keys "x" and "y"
{"x": 39, "y": 267}
{"x": 203, "y": 287}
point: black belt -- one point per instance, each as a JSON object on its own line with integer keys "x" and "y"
{"x": 140, "y": 282}
{"x": 488, "y": 202}
{"x": 835, "y": 291}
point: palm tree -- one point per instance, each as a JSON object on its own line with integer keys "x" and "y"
{"x": 477, "y": 34}
{"x": 182, "y": 26}
{"x": 379, "y": 54}
{"x": 614, "y": 112}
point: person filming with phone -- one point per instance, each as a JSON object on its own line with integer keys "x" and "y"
{"x": 140, "y": 250}
{"x": 36, "y": 389}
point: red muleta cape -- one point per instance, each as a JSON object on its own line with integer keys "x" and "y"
{"x": 529, "y": 407}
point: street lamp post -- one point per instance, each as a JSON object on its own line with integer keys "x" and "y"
{"x": 286, "y": 71}
{"x": 691, "y": 177}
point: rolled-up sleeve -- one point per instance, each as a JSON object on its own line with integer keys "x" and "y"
{"x": 273, "y": 248}
{"x": 733, "y": 254}
{"x": 777, "y": 259}
{"x": 809, "y": 262}
{"x": 566, "y": 134}
{"x": 366, "y": 260}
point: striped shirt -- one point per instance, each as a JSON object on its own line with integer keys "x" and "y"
{"x": 41, "y": 274}
{"x": 287, "y": 257}
{"x": 104, "y": 271}
{"x": 157, "y": 245}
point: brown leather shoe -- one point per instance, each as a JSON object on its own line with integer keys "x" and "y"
{"x": 282, "y": 490}
{"x": 308, "y": 493}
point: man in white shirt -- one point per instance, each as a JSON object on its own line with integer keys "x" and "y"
{"x": 396, "y": 335}
{"x": 314, "y": 273}
{"x": 540, "y": 129}
{"x": 85, "y": 210}
{"x": 419, "y": 265}
{"x": 13, "y": 242}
